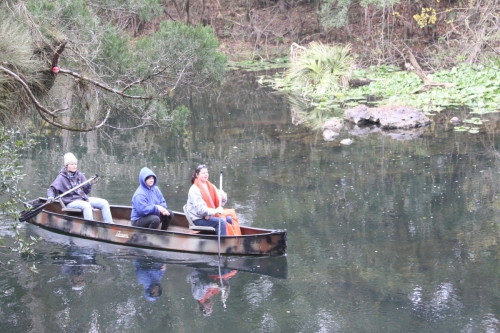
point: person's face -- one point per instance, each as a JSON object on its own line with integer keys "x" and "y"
{"x": 203, "y": 175}
{"x": 208, "y": 308}
{"x": 150, "y": 181}
{"x": 71, "y": 167}
{"x": 155, "y": 291}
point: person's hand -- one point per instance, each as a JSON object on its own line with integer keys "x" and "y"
{"x": 163, "y": 211}
{"x": 219, "y": 210}
{"x": 50, "y": 199}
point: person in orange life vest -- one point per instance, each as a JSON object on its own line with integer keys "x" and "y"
{"x": 204, "y": 205}
{"x": 203, "y": 201}
{"x": 204, "y": 286}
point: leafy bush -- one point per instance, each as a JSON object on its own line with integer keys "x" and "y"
{"x": 191, "y": 51}
{"x": 11, "y": 170}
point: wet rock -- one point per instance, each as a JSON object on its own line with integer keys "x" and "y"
{"x": 405, "y": 134}
{"x": 346, "y": 142}
{"x": 334, "y": 124}
{"x": 356, "y": 130}
{"x": 387, "y": 117}
{"x": 398, "y": 134}
{"x": 455, "y": 121}
{"x": 330, "y": 135}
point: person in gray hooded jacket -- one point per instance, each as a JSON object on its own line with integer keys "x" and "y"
{"x": 69, "y": 177}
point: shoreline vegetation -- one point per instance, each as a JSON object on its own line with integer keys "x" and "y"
{"x": 471, "y": 90}
{"x": 144, "y": 58}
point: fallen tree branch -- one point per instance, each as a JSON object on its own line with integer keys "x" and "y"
{"x": 415, "y": 68}
{"x": 295, "y": 50}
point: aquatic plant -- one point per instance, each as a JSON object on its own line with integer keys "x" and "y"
{"x": 321, "y": 68}
{"x": 476, "y": 89}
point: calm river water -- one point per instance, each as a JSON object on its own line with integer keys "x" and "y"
{"x": 384, "y": 235}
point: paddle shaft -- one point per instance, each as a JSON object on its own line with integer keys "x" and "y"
{"x": 76, "y": 187}
{"x": 220, "y": 202}
{"x": 221, "y": 286}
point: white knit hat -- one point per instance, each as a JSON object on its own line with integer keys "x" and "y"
{"x": 69, "y": 158}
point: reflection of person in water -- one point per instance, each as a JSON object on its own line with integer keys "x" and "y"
{"x": 206, "y": 284}
{"x": 149, "y": 274}
{"x": 75, "y": 264}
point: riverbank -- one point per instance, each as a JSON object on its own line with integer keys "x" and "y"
{"x": 440, "y": 35}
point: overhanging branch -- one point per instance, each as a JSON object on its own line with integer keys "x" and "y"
{"x": 41, "y": 109}
{"x": 103, "y": 86}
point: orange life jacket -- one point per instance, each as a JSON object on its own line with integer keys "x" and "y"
{"x": 209, "y": 294}
{"x": 212, "y": 200}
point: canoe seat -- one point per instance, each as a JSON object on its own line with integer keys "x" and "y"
{"x": 69, "y": 210}
{"x": 193, "y": 226}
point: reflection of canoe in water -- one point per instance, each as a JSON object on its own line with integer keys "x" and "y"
{"x": 274, "y": 266}
{"x": 178, "y": 237}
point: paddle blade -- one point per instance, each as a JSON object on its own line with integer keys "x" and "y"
{"x": 32, "y": 212}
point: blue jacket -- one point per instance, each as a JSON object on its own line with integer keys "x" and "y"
{"x": 149, "y": 274}
{"x": 145, "y": 199}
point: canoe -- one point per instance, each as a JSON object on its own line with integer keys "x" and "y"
{"x": 178, "y": 237}
{"x": 272, "y": 266}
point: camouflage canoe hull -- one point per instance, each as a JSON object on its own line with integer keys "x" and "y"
{"x": 273, "y": 266}
{"x": 178, "y": 237}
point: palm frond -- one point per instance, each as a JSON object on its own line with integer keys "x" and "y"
{"x": 322, "y": 66}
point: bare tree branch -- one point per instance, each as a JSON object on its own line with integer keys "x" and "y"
{"x": 103, "y": 86}
{"x": 57, "y": 53}
{"x": 38, "y": 105}
{"x": 415, "y": 68}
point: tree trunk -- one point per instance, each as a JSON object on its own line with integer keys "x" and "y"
{"x": 188, "y": 17}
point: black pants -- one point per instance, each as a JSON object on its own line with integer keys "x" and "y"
{"x": 153, "y": 221}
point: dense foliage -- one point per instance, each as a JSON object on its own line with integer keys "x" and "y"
{"x": 11, "y": 169}
{"x": 335, "y": 13}
{"x": 475, "y": 89}
{"x": 80, "y": 56}
{"x": 11, "y": 196}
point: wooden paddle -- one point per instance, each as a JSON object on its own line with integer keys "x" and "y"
{"x": 35, "y": 210}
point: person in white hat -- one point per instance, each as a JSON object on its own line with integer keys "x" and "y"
{"x": 68, "y": 178}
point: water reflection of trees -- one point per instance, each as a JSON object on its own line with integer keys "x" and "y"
{"x": 221, "y": 120}
{"x": 424, "y": 199}
{"x": 379, "y": 223}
